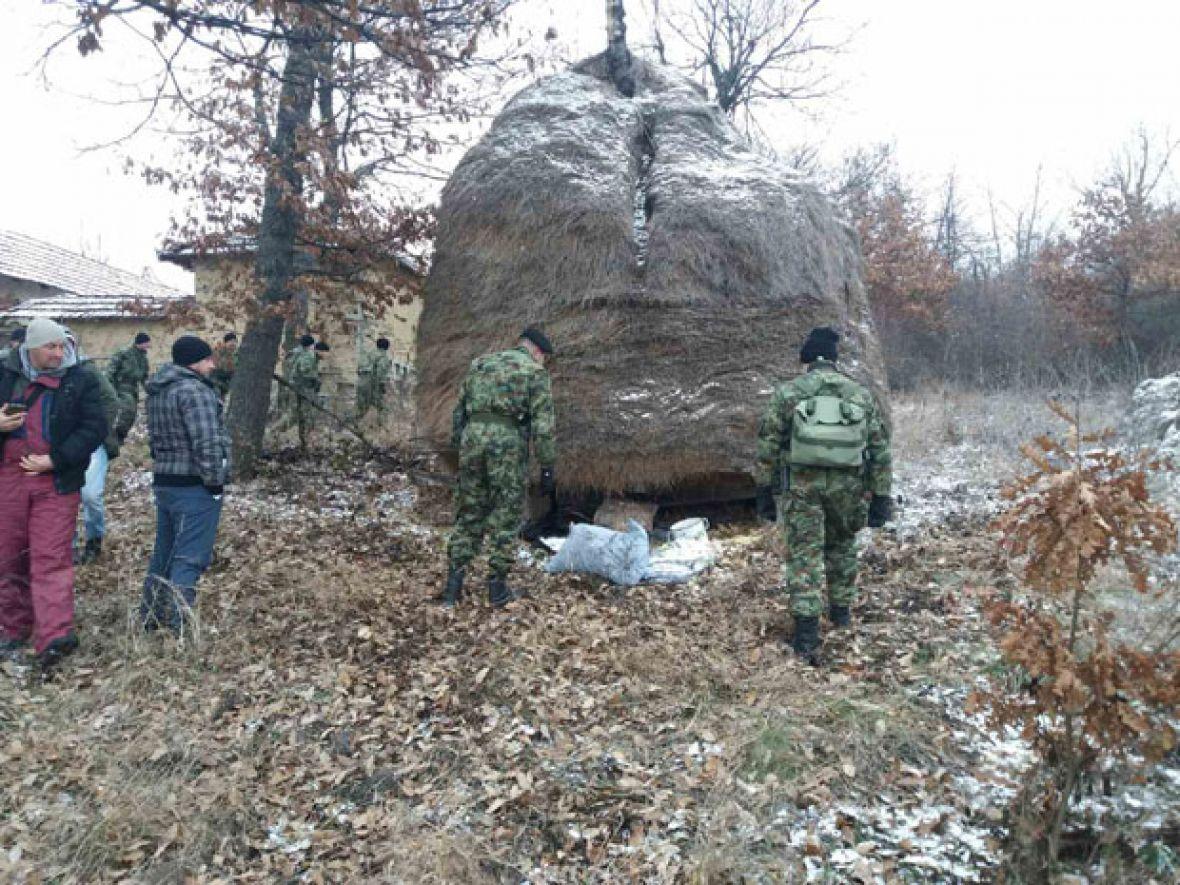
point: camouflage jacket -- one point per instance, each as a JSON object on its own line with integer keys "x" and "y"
{"x": 128, "y": 370}
{"x": 375, "y": 364}
{"x": 110, "y": 405}
{"x": 512, "y": 385}
{"x": 303, "y": 371}
{"x": 774, "y": 436}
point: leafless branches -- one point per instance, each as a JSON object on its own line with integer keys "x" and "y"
{"x": 757, "y": 50}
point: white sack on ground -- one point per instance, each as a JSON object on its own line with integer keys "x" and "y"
{"x": 687, "y": 554}
{"x": 620, "y": 557}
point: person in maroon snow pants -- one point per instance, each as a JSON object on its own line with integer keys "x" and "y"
{"x": 51, "y": 419}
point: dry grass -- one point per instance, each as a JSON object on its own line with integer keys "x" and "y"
{"x": 928, "y": 421}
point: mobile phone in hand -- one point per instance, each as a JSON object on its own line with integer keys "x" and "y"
{"x": 15, "y": 408}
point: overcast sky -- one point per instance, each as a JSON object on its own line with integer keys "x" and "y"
{"x": 989, "y": 88}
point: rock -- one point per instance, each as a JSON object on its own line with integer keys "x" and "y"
{"x": 1154, "y": 424}
{"x": 1154, "y": 419}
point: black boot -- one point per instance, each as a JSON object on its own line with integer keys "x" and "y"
{"x": 499, "y": 593}
{"x": 454, "y": 589}
{"x": 56, "y": 651}
{"x": 840, "y": 616}
{"x": 806, "y": 640}
{"x": 91, "y": 551}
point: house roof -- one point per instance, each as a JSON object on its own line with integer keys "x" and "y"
{"x": 185, "y": 254}
{"x": 86, "y": 288}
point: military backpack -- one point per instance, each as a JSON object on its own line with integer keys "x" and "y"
{"x": 828, "y": 431}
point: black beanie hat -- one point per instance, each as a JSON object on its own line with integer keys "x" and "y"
{"x": 189, "y": 349}
{"x": 306, "y": 341}
{"x": 142, "y": 337}
{"x": 383, "y": 344}
{"x": 18, "y": 334}
{"x": 322, "y": 346}
{"x": 229, "y": 336}
{"x": 538, "y": 338}
{"x": 820, "y": 344}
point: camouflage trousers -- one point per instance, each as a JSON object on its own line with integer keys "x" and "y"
{"x": 369, "y": 395}
{"x": 489, "y": 497}
{"x": 820, "y": 516}
{"x": 300, "y": 414}
{"x": 127, "y": 413}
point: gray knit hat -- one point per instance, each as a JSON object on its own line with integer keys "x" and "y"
{"x": 42, "y": 331}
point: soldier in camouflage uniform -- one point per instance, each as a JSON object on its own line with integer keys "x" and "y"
{"x": 372, "y": 378}
{"x": 127, "y": 372}
{"x": 222, "y": 375}
{"x": 824, "y": 447}
{"x": 284, "y": 405}
{"x": 305, "y": 379}
{"x": 504, "y": 400}
{"x": 15, "y": 339}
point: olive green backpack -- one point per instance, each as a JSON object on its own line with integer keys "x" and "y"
{"x": 827, "y": 431}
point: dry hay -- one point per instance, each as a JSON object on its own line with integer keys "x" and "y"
{"x": 668, "y": 349}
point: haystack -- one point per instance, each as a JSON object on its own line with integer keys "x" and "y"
{"x": 676, "y": 269}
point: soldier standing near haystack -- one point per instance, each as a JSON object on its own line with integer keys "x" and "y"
{"x": 127, "y": 372}
{"x": 286, "y": 399}
{"x": 372, "y": 371}
{"x": 305, "y": 382}
{"x": 504, "y": 400}
{"x": 824, "y": 447}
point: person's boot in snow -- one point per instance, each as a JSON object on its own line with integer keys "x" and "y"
{"x": 453, "y": 592}
{"x": 840, "y": 615}
{"x": 806, "y": 640}
{"x": 55, "y": 652}
{"x": 499, "y": 593}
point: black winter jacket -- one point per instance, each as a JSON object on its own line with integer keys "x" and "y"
{"x": 76, "y": 426}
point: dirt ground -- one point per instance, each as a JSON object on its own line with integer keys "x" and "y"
{"x": 325, "y": 724}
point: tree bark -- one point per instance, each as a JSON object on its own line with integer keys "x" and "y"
{"x": 618, "y": 57}
{"x": 274, "y": 261}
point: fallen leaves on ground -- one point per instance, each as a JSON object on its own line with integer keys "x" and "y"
{"x": 326, "y": 722}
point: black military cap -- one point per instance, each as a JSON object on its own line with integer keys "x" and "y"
{"x": 306, "y": 341}
{"x": 538, "y": 338}
{"x": 322, "y": 346}
{"x": 229, "y": 336}
{"x": 142, "y": 338}
{"x": 383, "y": 344}
{"x": 820, "y": 344}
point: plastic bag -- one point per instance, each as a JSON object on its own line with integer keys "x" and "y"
{"x": 681, "y": 559}
{"x": 620, "y": 557}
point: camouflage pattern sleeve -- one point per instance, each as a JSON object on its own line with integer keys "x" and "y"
{"x": 773, "y": 434}
{"x": 305, "y": 372}
{"x": 382, "y": 366}
{"x": 116, "y": 369}
{"x": 542, "y": 422}
{"x": 879, "y": 455}
{"x": 459, "y": 416}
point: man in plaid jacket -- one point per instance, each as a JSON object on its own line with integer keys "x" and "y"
{"x": 190, "y": 467}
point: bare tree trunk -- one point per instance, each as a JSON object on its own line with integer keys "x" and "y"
{"x": 274, "y": 262}
{"x": 618, "y": 57}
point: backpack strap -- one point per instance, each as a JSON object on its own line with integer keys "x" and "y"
{"x": 38, "y": 392}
